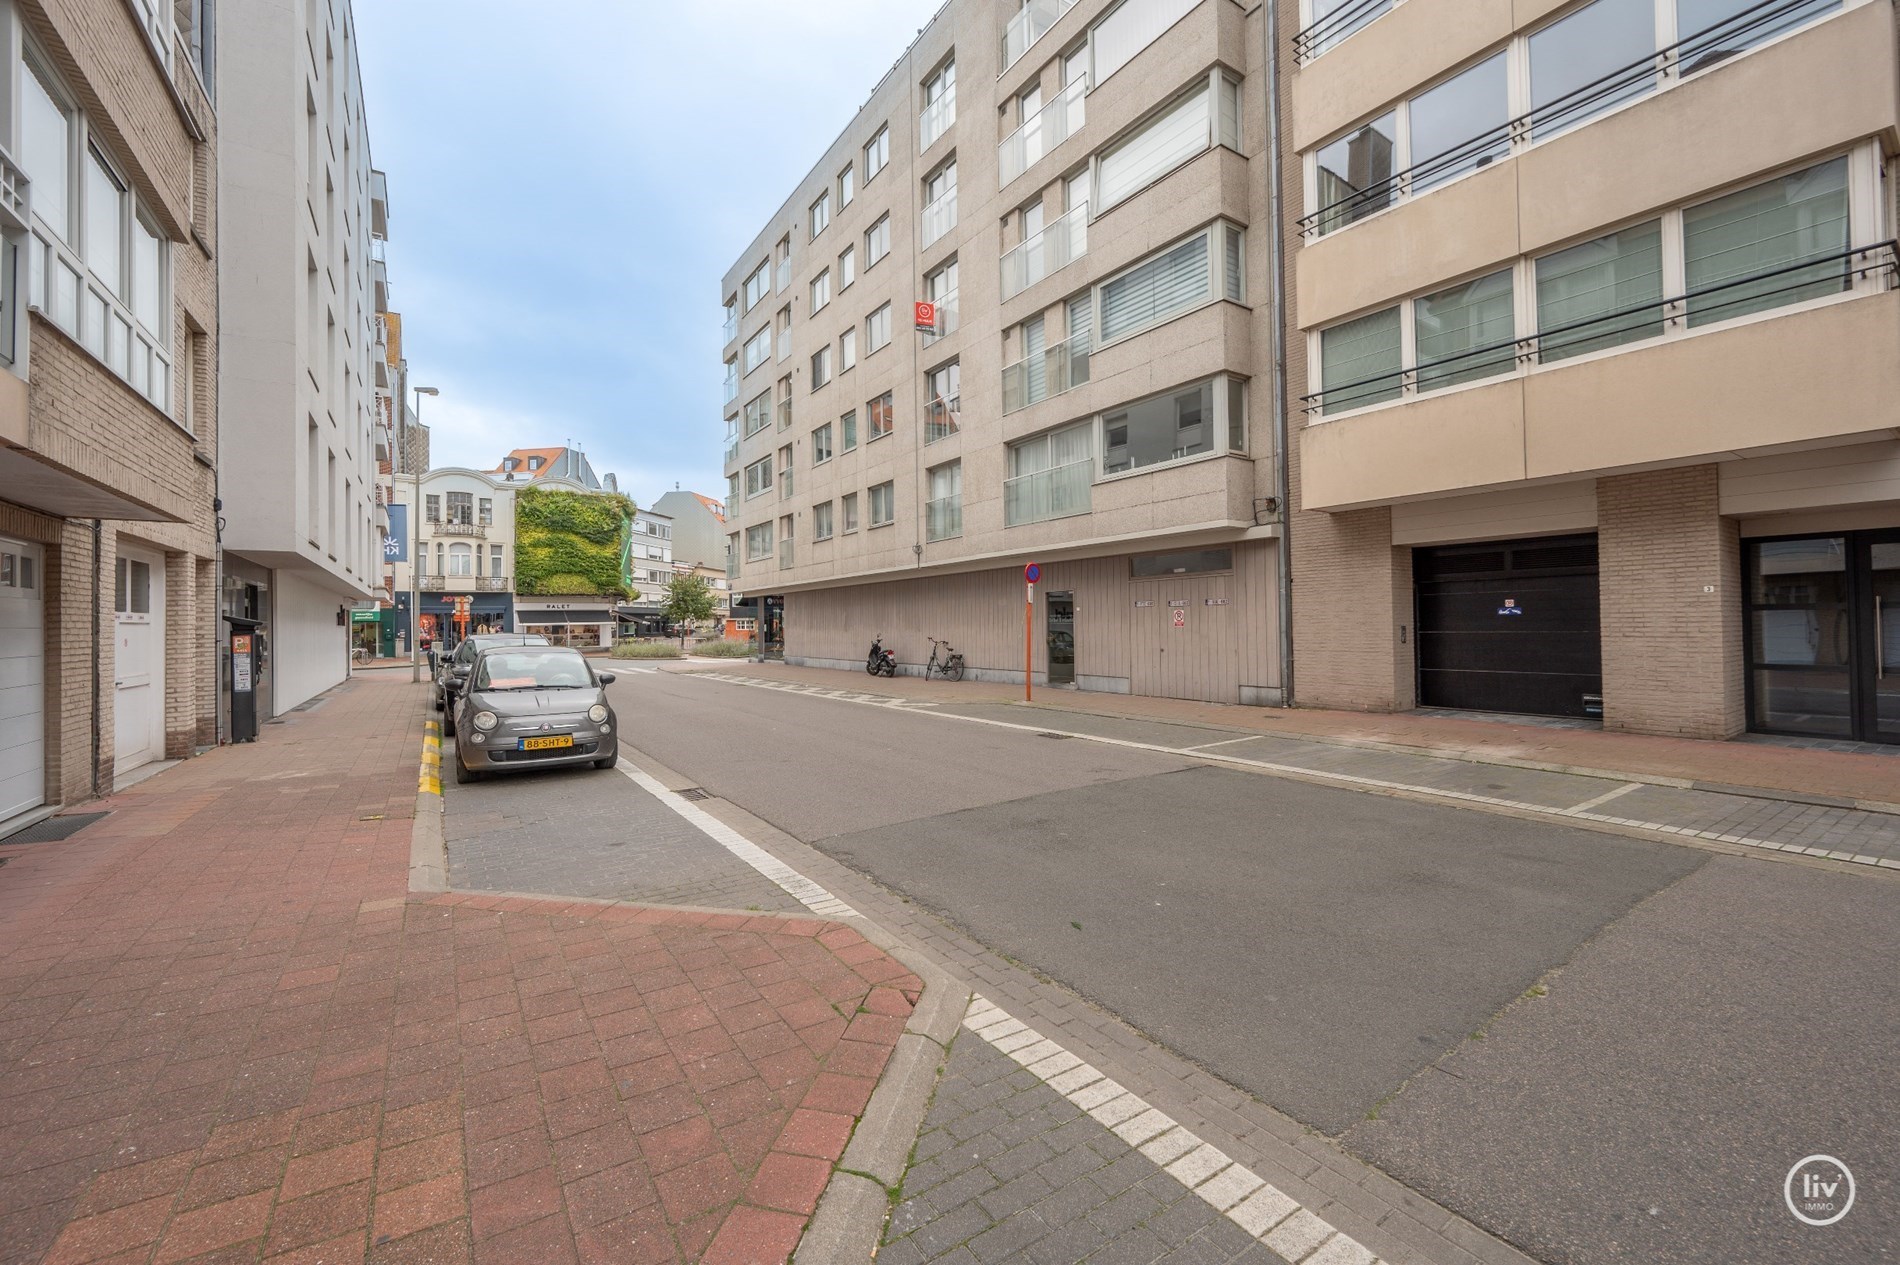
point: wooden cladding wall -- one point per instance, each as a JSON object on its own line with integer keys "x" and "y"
{"x": 1227, "y": 639}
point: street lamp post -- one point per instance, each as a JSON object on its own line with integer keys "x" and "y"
{"x": 415, "y": 557}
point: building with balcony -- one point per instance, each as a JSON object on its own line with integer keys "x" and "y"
{"x": 108, "y": 401}
{"x": 1072, "y": 186}
{"x": 1594, "y": 345}
{"x": 302, "y": 284}
{"x": 463, "y": 543}
{"x": 649, "y": 570}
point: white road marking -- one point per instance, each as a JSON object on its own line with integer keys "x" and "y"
{"x": 1263, "y": 1211}
{"x": 805, "y": 891}
{"x": 1578, "y": 813}
{"x": 1604, "y": 798}
{"x": 1225, "y": 742}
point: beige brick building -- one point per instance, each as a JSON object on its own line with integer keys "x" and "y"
{"x": 1078, "y": 187}
{"x": 1594, "y": 354}
{"x": 108, "y": 399}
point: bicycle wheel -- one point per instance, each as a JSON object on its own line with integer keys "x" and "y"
{"x": 954, "y": 669}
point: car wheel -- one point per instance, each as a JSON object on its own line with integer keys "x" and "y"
{"x": 463, "y": 774}
{"x": 438, "y": 702}
{"x": 606, "y": 762}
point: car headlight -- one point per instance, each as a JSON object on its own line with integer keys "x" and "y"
{"x": 485, "y": 720}
{"x": 597, "y": 713}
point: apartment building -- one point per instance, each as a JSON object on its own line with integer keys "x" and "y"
{"x": 699, "y": 543}
{"x": 1595, "y": 343}
{"x": 649, "y": 571}
{"x": 1075, "y": 188}
{"x": 108, "y": 407}
{"x": 464, "y": 547}
{"x": 303, "y": 282}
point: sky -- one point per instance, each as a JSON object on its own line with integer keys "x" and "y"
{"x": 566, "y": 192}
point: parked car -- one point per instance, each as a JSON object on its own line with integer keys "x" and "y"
{"x": 453, "y": 670}
{"x": 529, "y": 707}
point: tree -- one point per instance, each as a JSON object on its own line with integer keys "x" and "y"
{"x": 689, "y": 599}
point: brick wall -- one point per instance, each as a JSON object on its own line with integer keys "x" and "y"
{"x": 1670, "y": 576}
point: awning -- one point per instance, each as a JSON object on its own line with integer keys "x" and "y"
{"x": 531, "y": 616}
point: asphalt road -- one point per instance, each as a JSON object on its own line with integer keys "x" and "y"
{"x": 1329, "y": 951}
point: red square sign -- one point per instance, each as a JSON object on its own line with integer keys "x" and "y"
{"x": 926, "y": 316}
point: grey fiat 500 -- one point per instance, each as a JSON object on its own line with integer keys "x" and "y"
{"x": 533, "y": 707}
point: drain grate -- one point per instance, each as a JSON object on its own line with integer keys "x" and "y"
{"x": 53, "y": 829}
{"x": 1061, "y": 737}
{"x": 694, "y": 792}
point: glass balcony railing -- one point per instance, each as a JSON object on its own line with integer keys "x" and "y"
{"x": 784, "y": 553}
{"x": 936, "y": 120}
{"x": 732, "y": 324}
{"x": 784, "y": 414}
{"x": 940, "y": 418}
{"x": 943, "y": 519}
{"x": 940, "y": 216}
{"x": 946, "y": 318}
{"x": 1030, "y": 25}
{"x": 732, "y": 384}
{"x": 1048, "y": 372}
{"x": 1055, "y": 248}
{"x": 732, "y": 451}
{"x": 1041, "y": 132}
{"x": 1046, "y": 494}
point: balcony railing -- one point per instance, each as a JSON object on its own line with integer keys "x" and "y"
{"x": 784, "y": 279}
{"x": 1030, "y": 25}
{"x": 940, "y": 216}
{"x": 784, "y": 553}
{"x": 785, "y": 484}
{"x": 940, "y": 418}
{"x": 463, "y": 583}
{"x": 1345, "y": 17}
{"x": 1041, "y": 132}
{"x": 784, "y": 414}
{"x": 732, "y": 384}
{"x": 943, "y": 519}
{"x": 732, "y": 451}
{"x": 946, "y": 318}
{"x": 1048, "y": 372}
{"x": 1055, "y": 247}
{"x": 732, "y": 325}
{"x": 936, "y": 120}
{"x": 437, "y": 528}
{"x": 1046, "y": 494}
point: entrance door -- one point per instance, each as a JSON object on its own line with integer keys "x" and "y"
{"x": 1823, "y": 623}
{"x": 1510, "y": 626}
{"x": 1061, "y": 622}
{"x": 138, "y": 699}
{"x": 22, "y": 679}
{"x": 1187, "y": 644}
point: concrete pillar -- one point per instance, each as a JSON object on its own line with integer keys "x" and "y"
{"x": 1353, "y": 638}
{"x": 1670, "y": 579}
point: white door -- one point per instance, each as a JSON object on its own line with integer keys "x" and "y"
{"x": 22, "y": 678}
{"x": 139, "y": 665}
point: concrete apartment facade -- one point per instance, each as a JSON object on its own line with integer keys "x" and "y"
{"x": 650, "y": 570}
{"x": 1594, "y": 350}
{"x": 108, "y": 401}
{"x": 699, "y": 543}
{"x": 1074, "y": 186}
{"x": 302, "y": 284}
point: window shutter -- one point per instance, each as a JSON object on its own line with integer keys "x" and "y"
{"x": 1156, "y": 290}
{"x": 1163, "y": 145}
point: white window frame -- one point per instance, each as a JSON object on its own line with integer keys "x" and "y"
{"x": 1225, "y": 384}
{"x": 761, "y": 341}
{"x": 1867, "y": 226}
{"x": 821, "y": 367}
{"x": 847, "y": 186}
{"x": 758, "y": 285}
{"x": 821, "y": 447}
{"x": 877, "y": 153}
{"x": 758, "y": 477}
{"x": 821, "y": 521}
{"x": 1218, "y": 106}
{"x": 1216, "y": 233}
{"x": 758, "y": 541}
{"x": 848, "y": 350}
{"x": 879, "y": 316}
{"x": 820, "y": 214}
{"x": 878, "y": 234}
{"x": 820, "y": 291}
{"x": 889, "y": 489}
{"x": 1522, "y": 138}
{"x": 847, "y": 267}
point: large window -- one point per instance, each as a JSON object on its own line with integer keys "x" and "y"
{"x": 1049, "y": 476}
{"x": 943, "y": 402}
{"x": 758, "y": 477}
{"x": 461, "y": 559}
{"x": 821, "y": 367}
{"x": 758, "y": 285}
{"x": 848, "y": 507}
{"x": 1744, "y": 253}
{"x": 46, "y": 150}
{"x": 940, "y": 106}
{"x": 883, "y": 506}
{"x": 821, "y": 445}
{"x": 847, "y": 186}
{"x": 848, "y": 349}
{"x": 1782, "y": 241}
{"x": 848, "y": 431}
{"x": 1588, "y": 61}
{"x": 879, "y": 417}
{"x": 821, "y": 290}
{"x": 1179, "y": 278}
{"x": 943, "y": 513}
{"x": 820, "y": 214}
{"x": 758, "y": 542}
{"x": 877, "y": 240}
{"x": 847, "y": 268}
{"x": 758, "y": 348}
{"x": 821, "y": 521}
{"x": 877, "y": 152}
{"x": 940, "y": 203}
{"x": 877, "y": 330}
{"x": 1197, "y": 120}
{"x": 758, "y": 413}
{"x": 1190, "y": 421}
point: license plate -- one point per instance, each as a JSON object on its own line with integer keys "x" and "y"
{"x": 542, "y": 744}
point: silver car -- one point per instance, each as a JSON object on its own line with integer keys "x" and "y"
{"x": 452, "y": 671}
{"x": 533, "y": 707}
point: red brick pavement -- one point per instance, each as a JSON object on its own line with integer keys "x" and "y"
{"x": 228, "y": 1034}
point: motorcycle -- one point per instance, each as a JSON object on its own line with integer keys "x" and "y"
{"x": 880, "y": 662}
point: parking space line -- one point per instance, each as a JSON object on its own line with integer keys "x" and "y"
{"x": 809, "y": 894}
{"x": 1604, "y": 798}
{"x": 1225, "y": 742}
{"x": 1266, "y": 1213}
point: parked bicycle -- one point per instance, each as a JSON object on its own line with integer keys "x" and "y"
{"x": 949, "y": 666}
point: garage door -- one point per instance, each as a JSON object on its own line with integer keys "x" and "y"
{"x": 22, "y": 678}
{"x": 1510, "y": 626}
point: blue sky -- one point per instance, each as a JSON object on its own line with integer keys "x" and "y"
{"x": 566, "y": 193}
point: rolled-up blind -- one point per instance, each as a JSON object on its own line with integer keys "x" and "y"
{"x": 1131, "y": 28}
{"x": 1170, "y": 282}
{"x": 1164, "y": 144}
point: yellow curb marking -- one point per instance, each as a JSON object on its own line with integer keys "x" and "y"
{"x": 429, "y": 774}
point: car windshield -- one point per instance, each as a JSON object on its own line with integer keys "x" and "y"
{"x": 502, "y": 670}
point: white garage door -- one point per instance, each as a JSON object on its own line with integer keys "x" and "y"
{"x": 138, "y": 669}
{"x": 22, "y": 678}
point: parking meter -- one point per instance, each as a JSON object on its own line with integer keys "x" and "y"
{"x": 247, "y": 662}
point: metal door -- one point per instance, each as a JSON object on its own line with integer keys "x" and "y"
{"x": 1061, "y": 634}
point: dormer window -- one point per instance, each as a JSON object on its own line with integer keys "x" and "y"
{"x": 510, "y": 464}
{"x": 534, "y": 463}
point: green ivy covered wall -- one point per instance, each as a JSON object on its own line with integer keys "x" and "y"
{"x": 572, "y": 542}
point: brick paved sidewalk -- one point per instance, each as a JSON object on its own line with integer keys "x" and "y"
{"x": 1765, "y": 766}
{"x": 228, "y": 1033}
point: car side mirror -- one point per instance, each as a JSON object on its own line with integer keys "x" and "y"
{"x": 605, "y": 678}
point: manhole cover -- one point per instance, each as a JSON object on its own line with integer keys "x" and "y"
{"x": 694, "y": 792}
{"x": 53, "y": 829}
